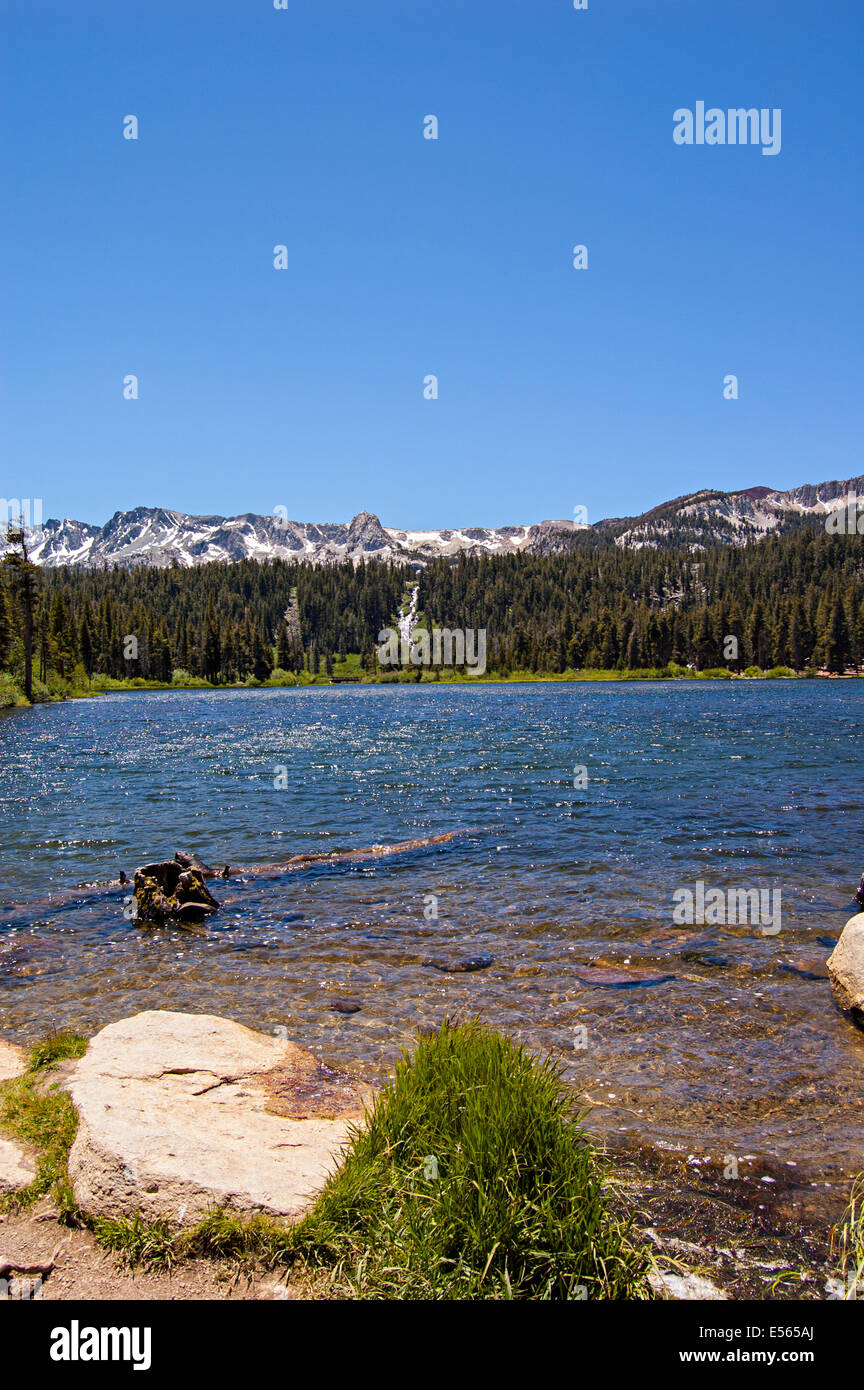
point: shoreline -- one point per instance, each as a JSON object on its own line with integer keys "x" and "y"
{"x": 708, "y": 1238}
{"x": 586, "y": 677}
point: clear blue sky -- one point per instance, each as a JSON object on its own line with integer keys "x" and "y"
{"x": 304, "y": 388}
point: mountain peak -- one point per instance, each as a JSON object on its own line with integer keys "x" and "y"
{"x": 160, "y": 537}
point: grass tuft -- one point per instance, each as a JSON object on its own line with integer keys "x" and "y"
{"x": 847, "y": 1242}
{"x": 55, "y": 1047}
{"x": 472, "y": 1179}
{"x": 154, "y": 1244}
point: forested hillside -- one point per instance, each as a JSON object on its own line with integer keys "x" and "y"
{"x": 796, "y": 600}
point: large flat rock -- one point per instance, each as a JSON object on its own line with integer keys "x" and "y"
{"x": 180, "y": 1112}
{"x": 13, "y": 1060}
{"x": 17, "y": 1168}
{"x": 846, "y": 966}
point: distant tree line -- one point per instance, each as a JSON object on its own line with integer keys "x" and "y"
{"x": 795, "y": 600}
{"x": 220, "y": 622}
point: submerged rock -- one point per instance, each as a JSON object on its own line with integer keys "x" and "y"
{"x": 809, "y": 968}
{"x": 674, "y": 938}
{"x": 172, "y": 892}
{"x": 460, "y": 967}
{"x": 846, "y": 968}
{"x": 625, "y": 977}
{"x": 696, "y": 957}
{"x": 179, "y": 1112}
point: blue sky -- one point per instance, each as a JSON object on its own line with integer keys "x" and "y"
{"x": 303, "y": 388}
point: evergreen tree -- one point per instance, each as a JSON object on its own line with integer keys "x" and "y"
{"x": 24, "y": 579}
{"x": 5, "y": 628}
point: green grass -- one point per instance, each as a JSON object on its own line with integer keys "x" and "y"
{"x": 155, "y": 1244}
{"x": 350, "y": 665}
{"x": 38, "y": 1114}
{"x": 55, "y": 1047}
{"x": 848, "y": 1241}
{"x": 518, "y": 1208}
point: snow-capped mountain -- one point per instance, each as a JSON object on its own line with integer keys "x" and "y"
{"x": 730, "y": 518}
{"x": 154, "y": 536}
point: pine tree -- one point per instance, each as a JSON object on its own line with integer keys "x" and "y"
{"x": 86, "y": 642}
{"x": 5, "y": 628}
{"x": 24, "y": 578}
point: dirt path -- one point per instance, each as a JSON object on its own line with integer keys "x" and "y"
{"x": 85, "y": 1270}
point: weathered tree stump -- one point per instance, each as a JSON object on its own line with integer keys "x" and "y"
{"x": 173, "y": 891}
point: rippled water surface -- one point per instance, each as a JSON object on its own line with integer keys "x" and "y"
{"x": 754, "y": 785}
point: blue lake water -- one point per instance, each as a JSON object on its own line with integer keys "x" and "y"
{"x": 751, "y": 785}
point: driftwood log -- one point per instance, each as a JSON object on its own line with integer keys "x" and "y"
{"x": 174, "y": 892}
{"x": 160, "y": 901}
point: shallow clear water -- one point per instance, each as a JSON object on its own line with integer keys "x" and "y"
{"x": 753, "y": 785}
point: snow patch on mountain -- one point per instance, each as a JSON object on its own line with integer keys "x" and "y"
{"x": 731, "y": 518}
{"x": 156, "y": 536}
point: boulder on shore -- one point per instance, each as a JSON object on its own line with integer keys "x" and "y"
{"x": 846, "y": 968}
{"x": 13, "y": 1060}
{"x": 182, "y": 1112}
{"x": 17, "y": 1168}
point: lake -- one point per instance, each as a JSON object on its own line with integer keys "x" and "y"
{"x": 739, "y": 1051}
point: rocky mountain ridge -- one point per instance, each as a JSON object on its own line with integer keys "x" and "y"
{"x": 157, "y": 536}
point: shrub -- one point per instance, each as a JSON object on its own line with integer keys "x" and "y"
{"x": 41, "y": 693}
{"x": 11, "y": 694}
